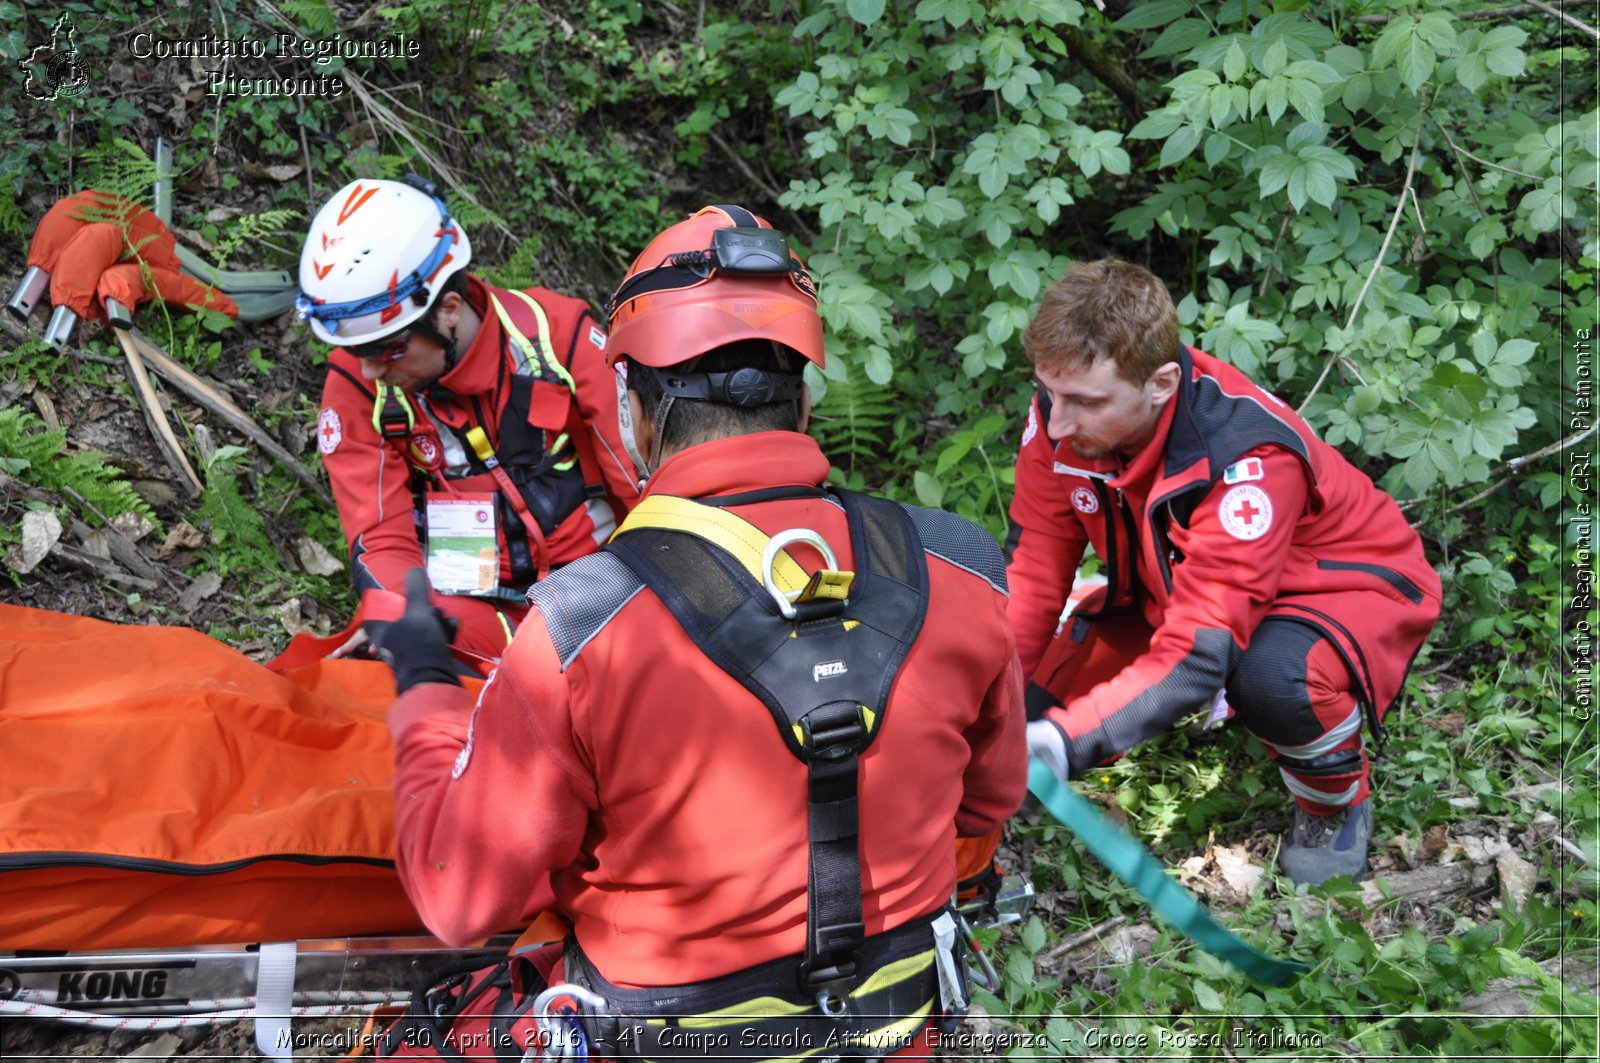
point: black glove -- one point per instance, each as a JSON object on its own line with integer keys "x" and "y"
{"x": 417, "y": 646}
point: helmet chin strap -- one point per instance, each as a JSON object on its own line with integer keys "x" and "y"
{"x": 446, "y": 343}
{"x": 625, "y": 427}
{"x": 658, "y": 425}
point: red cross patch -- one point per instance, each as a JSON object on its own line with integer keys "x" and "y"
{"x": 329, "y": 431}
{"x": 1246, "y": 512}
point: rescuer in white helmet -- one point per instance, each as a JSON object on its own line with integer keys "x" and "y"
{"x": 466, "y": 429}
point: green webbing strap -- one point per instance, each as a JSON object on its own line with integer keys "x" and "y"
{"x": 1130, "y": 862}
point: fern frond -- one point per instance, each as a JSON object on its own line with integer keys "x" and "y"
{"x": 313, "y": 15}
{"x": 235, "y": 524}
{"x": 12, "y": 221}
{"x": 37, "y": 456}
{"x": 520, "y": 270}
{"x": 851, "y": 422}
{"x": 120, "y": 169}
{"x": 252, "y": 227}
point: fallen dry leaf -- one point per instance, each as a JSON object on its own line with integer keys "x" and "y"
{"x": 315, "y": 558}
{"x": 1240, "y": 877}
{"x": 1517, "y": 876}
{"x": 133, "y": 525}
{"x": 290, "y": 616}
{"x": 41, "y": 530}
{"x": 1483, "y": 850}
{"x": 1401, "y": 843}
{"x": 201, "y": 589}
{"x": 1126, "y": 943}
{"x": 285, "y": 172}
{"x": 183, "y": 537}
{"x": 98, "y": 543}
{"x": 1451, "y": 723}
{"x": 1433, "y": 843}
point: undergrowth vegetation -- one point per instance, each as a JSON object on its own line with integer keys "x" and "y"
{"x": 1383, "y": 211}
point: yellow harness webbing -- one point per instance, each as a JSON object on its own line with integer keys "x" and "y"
{"x": 741, "y": 539}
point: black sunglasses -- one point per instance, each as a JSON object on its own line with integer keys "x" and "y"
{"x": 389, "y": 349}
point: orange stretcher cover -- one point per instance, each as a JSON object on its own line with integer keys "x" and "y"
{"x": 159, "y": 789}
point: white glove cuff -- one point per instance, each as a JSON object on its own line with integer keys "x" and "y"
{"x": 1047, "y": 744}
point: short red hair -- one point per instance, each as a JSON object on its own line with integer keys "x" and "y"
{"x": 1110, "y": 309}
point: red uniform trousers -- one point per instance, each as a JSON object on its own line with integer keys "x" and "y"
{"x": 1291, "y": 690}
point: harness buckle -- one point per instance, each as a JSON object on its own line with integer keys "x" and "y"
{"x": 832, "y": 732}
{"x": 831, "y": 978}
{"x": 394, "y": 420}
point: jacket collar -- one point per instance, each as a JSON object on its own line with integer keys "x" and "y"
{"x": 477, "y": 370}
{"x": 739, "y": 464}
{"x": 1184, "y": 444}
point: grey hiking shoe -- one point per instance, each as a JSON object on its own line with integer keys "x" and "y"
{"x": 1320, "y": 847}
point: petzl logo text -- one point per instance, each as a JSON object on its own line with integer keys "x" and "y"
{"x": 56, "y": 70}
{"x": 826, "y": 669}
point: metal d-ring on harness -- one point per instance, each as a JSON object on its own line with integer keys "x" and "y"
{"x": 561, "y": 1033}
{"x": 830, "y": 573}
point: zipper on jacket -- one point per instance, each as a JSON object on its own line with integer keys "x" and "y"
{"x": 1166, "y": 553}
{"x": 1399, "y": 582}
{"x": 1113, "y": 577}
{"x": 1131, "y": 529}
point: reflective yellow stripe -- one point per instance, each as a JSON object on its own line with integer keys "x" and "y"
{"x": 561, "y": 441}
{"x": 381, "y": 396}
{"x": 732, "y": 533}
{"x": 505, "y": 625}
{"x": 889, "y": 1037}
{"x": 895, "y": 973}
{"x": 737, "y": 1014}
{"x": 544, "y": 355}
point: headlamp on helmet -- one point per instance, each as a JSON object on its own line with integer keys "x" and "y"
{"x": 735, "y": 250}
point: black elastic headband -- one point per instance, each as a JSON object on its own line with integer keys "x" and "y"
{"x": 744, "y": 387}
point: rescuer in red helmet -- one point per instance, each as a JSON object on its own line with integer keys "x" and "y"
{"x": 737, "y": 745}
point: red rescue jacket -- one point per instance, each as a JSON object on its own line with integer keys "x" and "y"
{"x": 1235, "y": 511}
{"x": 577, "y": 490}
{"x": 611, "y": 759}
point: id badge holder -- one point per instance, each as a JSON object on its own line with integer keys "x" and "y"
{"x": 463, "y": 554}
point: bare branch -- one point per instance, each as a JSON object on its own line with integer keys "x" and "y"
{"x": 1480, "y": 160}
{"x": 765, "y": 186}
{"x": 1510, "y": 466}
{"x": 1568, "y": 19}
{"x": 1094, "y": 933}
{"x": 1493, "y": 13}
{"x": 1266, "y": 278}
{"x": 1377, "y": 264}
{"x": 1565, "y": 444}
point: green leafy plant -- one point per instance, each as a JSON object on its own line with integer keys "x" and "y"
{"x": 239, "y": 540}
{"x": 38, "y": 456}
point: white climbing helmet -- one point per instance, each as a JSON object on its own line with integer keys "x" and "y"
{"x": 375, "y": 258}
